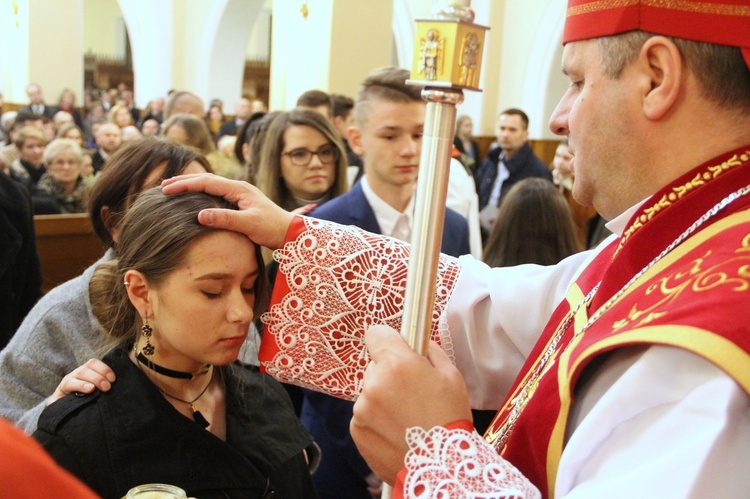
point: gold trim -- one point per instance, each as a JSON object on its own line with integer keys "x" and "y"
{"x": 700, "y": 7}
{"x": 688, "y": 245}
{"x": 557, "y": 437}
{"x": 679, "y": 191}
{"x": 718, "y": 350}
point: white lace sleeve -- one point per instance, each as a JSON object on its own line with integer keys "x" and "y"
{"x": 456, "y": 464}
{"x": 333, "y": 283}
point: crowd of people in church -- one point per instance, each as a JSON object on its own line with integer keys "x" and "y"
{"x": 353, "y": 160}
{"x": 148, "y": 367}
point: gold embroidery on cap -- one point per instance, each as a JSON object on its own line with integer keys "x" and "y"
{"x": 721, "y": 9}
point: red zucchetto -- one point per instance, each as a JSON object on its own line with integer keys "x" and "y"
{"x": 721, "y": 22}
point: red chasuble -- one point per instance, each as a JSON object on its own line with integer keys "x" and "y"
{"x": 333, "y": 282}
{"x": 688, "y": 298}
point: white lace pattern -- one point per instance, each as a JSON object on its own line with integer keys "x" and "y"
{"x": 341, "y": 281}
{"x": 457, "y": 464}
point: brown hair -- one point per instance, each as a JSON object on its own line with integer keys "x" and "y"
{"x": 66, "y": 128}
{"x": 388, "y": 84}
{"x": 315, "y": 98}
{"x": 157, "y": 232}
{"x": 195, "y": 128}
{"x": 183, "y": 102}
{"x": 517, "y": 112}
{"x": 720, "y": 69}
{"x": 534, "y": 225}
{"x": 269, "y": 170}
{"x": 124, "y": 175}
{"x": 254, "y": 132}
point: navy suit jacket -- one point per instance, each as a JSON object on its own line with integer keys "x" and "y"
{"x": 352, "y": 208}
{"x": 342, "y": 469}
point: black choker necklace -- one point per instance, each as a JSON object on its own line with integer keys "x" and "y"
{"x": 171, "y": 372}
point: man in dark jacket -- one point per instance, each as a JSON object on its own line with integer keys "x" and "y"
{"x": 20, "y": 273}
{"x": 512, "y": 161}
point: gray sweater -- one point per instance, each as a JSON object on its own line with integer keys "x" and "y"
{"x": 58, "y": 335}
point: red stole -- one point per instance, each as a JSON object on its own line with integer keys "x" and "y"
{"x": 535, "y": 431}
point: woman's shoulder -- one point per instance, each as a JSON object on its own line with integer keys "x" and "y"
{"x": 76, "y": 407}
{"x": 79, "y": 411}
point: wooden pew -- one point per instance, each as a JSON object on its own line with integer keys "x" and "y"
{"x": 67, "y": 246}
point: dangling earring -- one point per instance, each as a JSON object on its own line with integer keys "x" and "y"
{"x": 146, "y": 332}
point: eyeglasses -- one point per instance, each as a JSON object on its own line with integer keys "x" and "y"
{"x": 301, "y": 157}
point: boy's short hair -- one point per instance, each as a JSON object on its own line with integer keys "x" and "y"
{"x": 388, "y": 84}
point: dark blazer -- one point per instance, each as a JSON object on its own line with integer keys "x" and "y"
{"x": 20, "y": 271}
{"x": 352, "y": 208}
{"x": 227, "y": 128}
{"x": 132, "y": 435}
{"x": 48, "y": 112}
{"x": 342, "y": 469}
{"x": 97, "y": 161}
{"x": 523, "y": 164}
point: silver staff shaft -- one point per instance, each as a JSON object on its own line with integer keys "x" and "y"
{"x": 429, "y": 213}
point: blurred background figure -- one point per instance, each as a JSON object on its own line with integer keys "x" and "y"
{"x": 467, "y": 146}
{"x": 184, "y": 102}
{"x": 67, "y": 103}
{"x": 71, "y": 131}
{"x": 318, "y": 101}
{"x": 590, "y": 227}
{"x": 36, "y": 102}
{"x": 131, "y": 132}
{"x": 154, "y": 111}
{"x": 108, "y": 138}
{"x": 63, "y": 188}
{"x": 29, "y": 167}
{"x": 20, "y": 272}
{"x": 248, "y": 151}
{"x": 150, "y": 127}
{"x": 214, "y": 119}
{"x": 120, "y": 116}
{"x": 343, "y": 118}
{"x": 192, "y": 131}
{"x": 242, "y": 112}
{"x": 534, "y": 225}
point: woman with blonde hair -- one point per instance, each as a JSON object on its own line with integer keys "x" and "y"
{"x": 120, "y": 116}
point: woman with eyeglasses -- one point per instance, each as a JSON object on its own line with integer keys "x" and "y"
{"x": 302, "y": 165}
{"x": 302, "y": 162}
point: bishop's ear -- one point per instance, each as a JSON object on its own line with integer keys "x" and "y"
{"x": 663, "y": 75}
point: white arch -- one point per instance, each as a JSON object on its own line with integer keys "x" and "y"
{"x": 220, "y": 66}
{"x": 543, "y": 76}
{"x": 150, "y": 26}
{"x": 403, "y": 33}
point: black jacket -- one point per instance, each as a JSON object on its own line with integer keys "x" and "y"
{"x": 132, "y": 435}
{"x": 20, "y": 272}
{"x": 523, "y": 164}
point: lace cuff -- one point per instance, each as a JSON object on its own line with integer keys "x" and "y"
{"x": 457, "y": 463}
{"x": 333, "y": 283}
